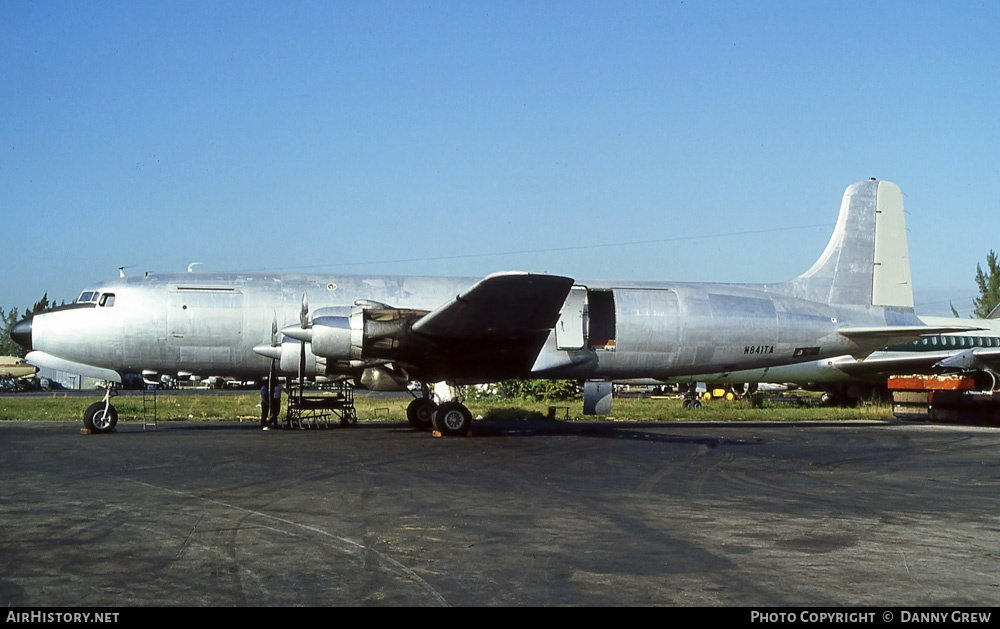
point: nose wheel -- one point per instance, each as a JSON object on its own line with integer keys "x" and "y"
{"x": 101, "y": 417}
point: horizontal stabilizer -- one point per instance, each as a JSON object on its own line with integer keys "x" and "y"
{"x": 508, "y": 305}
{"x": 48, "y": 361}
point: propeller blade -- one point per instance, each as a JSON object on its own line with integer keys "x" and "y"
{"x": 274, "y": 330}
{"x": 302, "y": 367}
{"x": 304, "y": 323}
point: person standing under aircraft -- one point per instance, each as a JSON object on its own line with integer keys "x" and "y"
{"x": 275, "y": 403}
{"x": 265, "y": 399}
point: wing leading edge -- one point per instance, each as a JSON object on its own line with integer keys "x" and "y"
{"x": 893, "y": 334}
{"x": 502, "y": 306}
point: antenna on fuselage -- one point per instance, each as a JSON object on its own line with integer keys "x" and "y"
{"x": 121, "y": 269}
{"x": 192, "y": 265}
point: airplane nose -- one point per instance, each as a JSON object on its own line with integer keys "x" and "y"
{"x": 21, "y": 333}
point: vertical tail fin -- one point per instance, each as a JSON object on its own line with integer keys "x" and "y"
{"x": 866, "y": 262}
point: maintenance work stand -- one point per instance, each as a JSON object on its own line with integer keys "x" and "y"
{"x": 321, "y": 409}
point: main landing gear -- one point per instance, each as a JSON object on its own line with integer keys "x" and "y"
{"x": 101, "y": 417}
{"x": 420, "y": 413}
{"x": 452, "y": 419}
{"x": 449, "y": 418}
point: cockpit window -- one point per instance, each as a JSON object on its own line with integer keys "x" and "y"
{"x": 86, "y": 296}
{"x": 107, "y": 300}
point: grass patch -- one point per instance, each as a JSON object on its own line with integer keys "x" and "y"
{"x": 60, "y": 406}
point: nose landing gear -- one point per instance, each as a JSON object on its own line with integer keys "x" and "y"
{"x": 101, "y": 417}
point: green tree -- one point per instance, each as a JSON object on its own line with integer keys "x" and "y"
{"x": 989, "y": 287}
{"x": 7, "y": 320}
{"x": 7, "y": 345}
{"x": 40, "y": 306}
{"x": 539, "y": 389}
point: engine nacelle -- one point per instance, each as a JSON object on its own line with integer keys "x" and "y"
{"x": 338, "y": 335}
{"x": 291, "y": 352}
{"x": 344, "y": 341}
{"x": 366, "y": 331}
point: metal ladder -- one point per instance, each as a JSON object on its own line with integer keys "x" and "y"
{"x": 148, "y": 408}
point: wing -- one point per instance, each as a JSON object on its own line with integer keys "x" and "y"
{"x": 901, "y": 362}
{"x": 895, "y": 334}
{"x": 500, "y": 307}
{"x": 977, "y": 358}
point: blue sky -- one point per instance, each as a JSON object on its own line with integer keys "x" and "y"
{"x": 704, "y": 141}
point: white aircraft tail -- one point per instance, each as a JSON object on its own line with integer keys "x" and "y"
{"x": 866, "y": 262}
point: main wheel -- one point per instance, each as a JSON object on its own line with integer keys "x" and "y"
{"x": 452, "y": 419}
{"x": 100, "y": 417}
{"x": 420, "y": 413}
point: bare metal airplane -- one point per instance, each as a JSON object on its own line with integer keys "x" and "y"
{"x": 849, "y": 379}
{"x": 385, "y": 331}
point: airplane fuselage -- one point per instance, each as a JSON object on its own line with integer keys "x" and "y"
{"x": 386, "y": 331}
{"x": 206, "y": 323}
{"x": 209, "y": 324}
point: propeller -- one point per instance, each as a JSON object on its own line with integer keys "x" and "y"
{"x": 303, "y": 322}
{"x": 274, "y": 356}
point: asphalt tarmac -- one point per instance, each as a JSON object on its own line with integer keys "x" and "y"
{"x": 541, "y": 513}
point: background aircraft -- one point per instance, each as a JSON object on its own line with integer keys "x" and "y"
{"x": 14, "y": 372}
{"x": 388, "y": 330}
{"x": 848, "y": 379}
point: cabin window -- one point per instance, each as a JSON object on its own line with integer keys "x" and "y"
{"x": 107, "y": 300}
